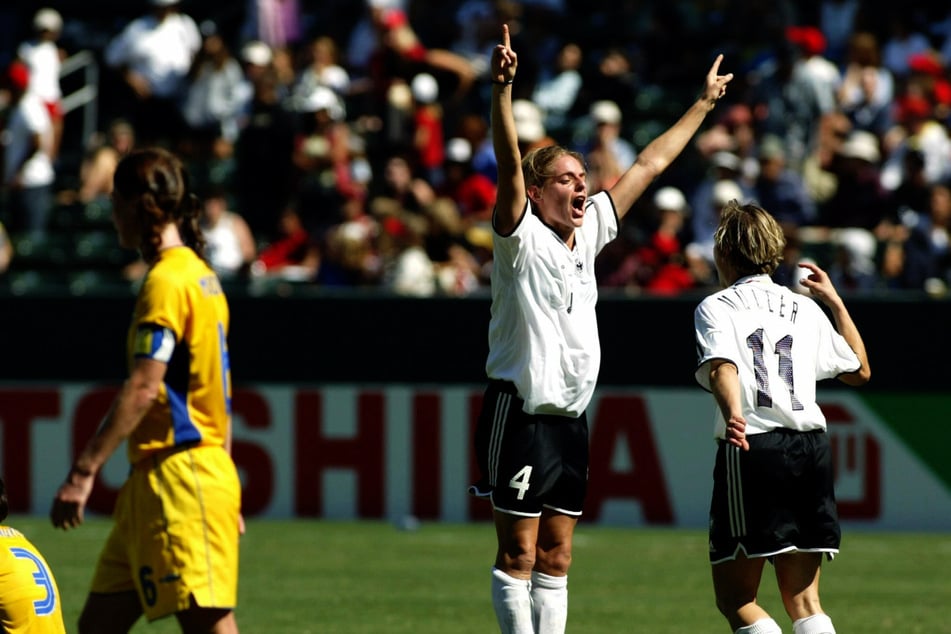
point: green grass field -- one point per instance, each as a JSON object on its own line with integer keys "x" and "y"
{"x": 370, "y": 578}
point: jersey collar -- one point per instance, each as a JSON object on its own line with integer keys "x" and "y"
{"x": 760, "y": 278}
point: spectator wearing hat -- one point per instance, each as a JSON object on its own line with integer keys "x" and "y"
{"x": 257, "y": 65}
{"x": 27, "y": 142}
{"x": 813, "y": 67}
{"x": 43, "y": 56}
{"x": 918, "y": 130}
{"x": 699, "y": 252}
{"x": 859, "y": 199}
{"x": 609, "y": 154}
{"x": 649, "y": 255}
{"x": 853, "y": 267}
{"x": 257, "y": 57}
{"x": 322, "y": 68}
{"x": 325, "y": 186}
{"x": 721, "y": 166}
{"x": 663, "y": 257}
{"x": 530, "y": 126}
{"x": 780, "y": 189}
{"x": 152, "y": 56}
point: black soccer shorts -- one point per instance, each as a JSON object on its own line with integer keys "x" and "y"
{"x": 777, "y": 497}
{"x": 529, "y": 462}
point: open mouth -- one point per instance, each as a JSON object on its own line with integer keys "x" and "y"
{"x": 577, "y": 203}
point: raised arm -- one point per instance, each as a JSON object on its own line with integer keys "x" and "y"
{"x": 661, "y": 152}
{"x": 510, "y": 197}
{"x": 821, "y": 287}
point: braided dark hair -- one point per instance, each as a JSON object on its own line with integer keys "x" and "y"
{"x": 158, "y": 181}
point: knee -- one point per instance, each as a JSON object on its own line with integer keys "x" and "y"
{"x": 801, "y": 605}
{"x": 516, "y": 558}
{"x": 555, "y": 561}
{"x": 730, "y": 603}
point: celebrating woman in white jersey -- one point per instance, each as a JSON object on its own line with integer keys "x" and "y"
{"x": 762, "y": 348}
{"x": 544, "y": 353}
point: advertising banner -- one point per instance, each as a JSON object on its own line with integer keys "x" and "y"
{"x": 398, "y": 451}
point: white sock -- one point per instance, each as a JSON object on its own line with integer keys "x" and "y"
{"x": 512, "y": 601}
{"x": 815, "y": 624}
{"x": 763, "y": 626}
{"x": 549, "y": 603}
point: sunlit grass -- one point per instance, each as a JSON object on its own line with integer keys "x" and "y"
{"x": 301, "y": 576}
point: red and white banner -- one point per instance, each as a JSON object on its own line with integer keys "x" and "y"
{"x": 393, "y": 451}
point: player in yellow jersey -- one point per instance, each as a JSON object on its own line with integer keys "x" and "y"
{"x": 174, "y": 546}
{"x": 29, "y": 599}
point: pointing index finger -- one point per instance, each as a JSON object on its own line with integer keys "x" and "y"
{"x": 506, "y": 40}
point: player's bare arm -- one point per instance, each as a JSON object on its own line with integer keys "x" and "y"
{"x": 510, "y": 196}
{"x": 725, "y": 385}
{"x": 820, "y": 286}
{"x": 661, "y": 152}
{"x": 134, "y": 399}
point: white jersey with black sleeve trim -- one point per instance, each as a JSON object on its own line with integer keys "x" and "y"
{"x": 543, "y": 332}
{"x": 781, "y": 343}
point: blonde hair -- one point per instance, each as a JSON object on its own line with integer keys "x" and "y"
{"x": 537, "y": 164}
{"x": 749, "y": 239}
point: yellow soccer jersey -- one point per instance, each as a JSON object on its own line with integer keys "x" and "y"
{"x": 181, "y": 318}
{"x": 29, "y": 598}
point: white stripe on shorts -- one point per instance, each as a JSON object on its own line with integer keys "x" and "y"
{"x": 734, "y": 491}
{"x": 502, "y": 406}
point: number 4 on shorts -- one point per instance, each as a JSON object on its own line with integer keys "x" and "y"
{"x": 519, "y": 481}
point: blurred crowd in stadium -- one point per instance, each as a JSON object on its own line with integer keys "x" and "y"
{"x": 343, "y": 143}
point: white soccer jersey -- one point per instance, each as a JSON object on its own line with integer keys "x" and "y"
{"x": 781, "y": 343}
{"x": 543, "y": 334}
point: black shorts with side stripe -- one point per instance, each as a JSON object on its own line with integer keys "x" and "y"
{"x": 777, "y": 497}
{"x": 529, "y": 462}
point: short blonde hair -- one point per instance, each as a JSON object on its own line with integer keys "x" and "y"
{"x": 749, "y": 239}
